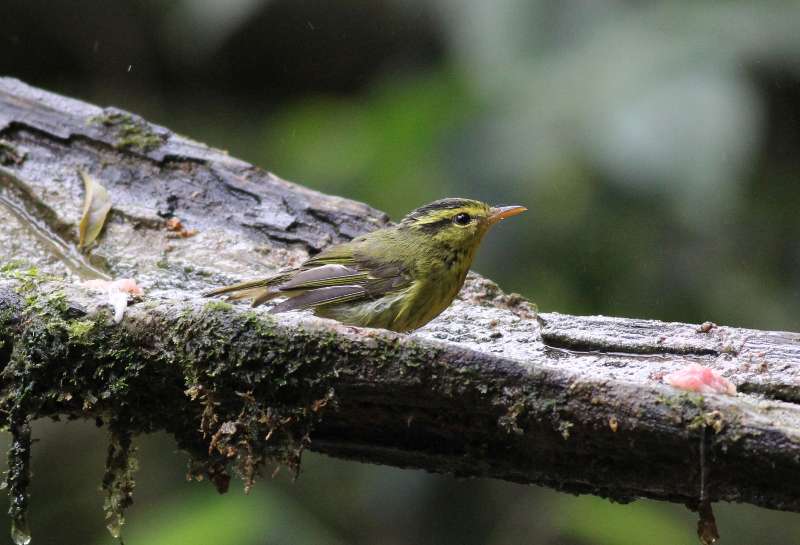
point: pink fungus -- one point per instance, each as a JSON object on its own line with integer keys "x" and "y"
{"x": 117, "y": 292}
{"x": 697, "y": 378}
{"x": 129, "y": 286}
{"x": 125, "y": 285}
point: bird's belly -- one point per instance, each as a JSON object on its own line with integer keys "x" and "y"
{"x": 433, "y": 299}
{"x": 375, "y": 313}
{"x": 402, "y": 311}
{"x": 426, "y": 300}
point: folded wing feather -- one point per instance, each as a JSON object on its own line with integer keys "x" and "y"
{"x": 323, "y": 284}
{"x": 326, "y": 275}
{"x": 320, "y": 296}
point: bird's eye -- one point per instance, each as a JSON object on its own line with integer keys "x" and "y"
{"x": 462, "y": 219}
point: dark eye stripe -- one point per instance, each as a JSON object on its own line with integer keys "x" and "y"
{"x": 434, "y": 226}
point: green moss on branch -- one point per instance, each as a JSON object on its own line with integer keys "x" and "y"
{"x": 131, "y": 132}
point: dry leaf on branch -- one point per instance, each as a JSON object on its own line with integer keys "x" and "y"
{"x": 96, "y": 206}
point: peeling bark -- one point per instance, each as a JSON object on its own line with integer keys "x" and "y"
{"x": 488, "y": 389}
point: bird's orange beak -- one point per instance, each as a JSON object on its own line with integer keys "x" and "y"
{"x": 502, "y": 212}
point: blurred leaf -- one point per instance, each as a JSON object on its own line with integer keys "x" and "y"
{"x": 96, "y": 206}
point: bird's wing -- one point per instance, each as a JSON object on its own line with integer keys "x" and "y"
{"x": 320, "y": 296}
{"x": 339, "y": 274}
{"x": 329, "y": 268}
{"x": 337, "y": 283}
{"x": 324, "y": 276}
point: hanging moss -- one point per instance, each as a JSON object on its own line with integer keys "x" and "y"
{"x": 118, "y": 481}
{"x": 18, "y": 479}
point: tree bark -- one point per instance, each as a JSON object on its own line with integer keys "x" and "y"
{"x": 489, "y": 389}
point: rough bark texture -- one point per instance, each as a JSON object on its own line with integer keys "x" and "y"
{"x": 487, "y": 390}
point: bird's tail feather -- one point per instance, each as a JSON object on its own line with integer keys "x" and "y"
{"x": 262, "y": 283}
{"x": 259, "y": 290}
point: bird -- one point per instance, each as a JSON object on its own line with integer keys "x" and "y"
{"x": 398, "y": 277}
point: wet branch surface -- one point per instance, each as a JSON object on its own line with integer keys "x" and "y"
{"x": 487, "y": 390}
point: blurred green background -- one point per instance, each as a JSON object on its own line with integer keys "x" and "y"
{"x": 657, "y": 146}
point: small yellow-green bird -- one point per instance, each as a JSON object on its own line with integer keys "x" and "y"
{"x": 400, "y": 277}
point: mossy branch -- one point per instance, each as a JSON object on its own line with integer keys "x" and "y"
{"x": 260, "y": 389}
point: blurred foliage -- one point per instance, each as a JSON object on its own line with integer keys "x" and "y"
{"x": 386, "y": 147}
{"x": 656, "y": 145}
{"x": 267, "y": 516}
{"x": 591, "y": 520}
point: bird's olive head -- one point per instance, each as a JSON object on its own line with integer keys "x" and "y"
{"x": 458, "y": 222}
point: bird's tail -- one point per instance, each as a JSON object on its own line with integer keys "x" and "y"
{"x": 260, "y": 291}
